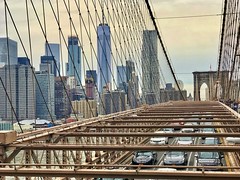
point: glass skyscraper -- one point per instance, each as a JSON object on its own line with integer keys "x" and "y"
{"x": 53, "y": 49}
{"x": 8, "y": 48}
{"x": 74, "y": 59}
{"x": 104, "y": 57}
{"x": 45, "y": 106}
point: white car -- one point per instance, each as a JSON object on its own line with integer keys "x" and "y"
{"x": 234, "y": 140}
{"x": 167, "y": 130}
{"x": 159, "y": 140}
{"x": 185, "y": 141}
{"x": 187, "y": 130}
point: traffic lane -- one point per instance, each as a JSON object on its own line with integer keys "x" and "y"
{"x": 160, "y": 154}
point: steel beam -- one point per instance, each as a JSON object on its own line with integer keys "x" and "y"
{"x": 156, "y": 118}
{"x": 111, "y": 147}
{"x": 138, "y": 173}
{"x": 187, "y": 116}
{"x": 164, "y": 126}
{"x": 147, "y": 134}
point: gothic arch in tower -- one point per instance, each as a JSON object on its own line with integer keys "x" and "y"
{"x": 216, "y": 87}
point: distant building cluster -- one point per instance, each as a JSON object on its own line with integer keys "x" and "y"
{"x": 48, "y": 94}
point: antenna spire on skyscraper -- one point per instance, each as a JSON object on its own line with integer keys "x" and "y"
{"x": 103, "y": 12}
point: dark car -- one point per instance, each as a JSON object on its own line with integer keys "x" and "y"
{"x": 110, "y": 179}
{"x": 175, "y": 158}
{"x": 208, "y": 159}
{"x": 144, "y": 157}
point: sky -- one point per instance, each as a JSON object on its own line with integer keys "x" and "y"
{"x": 192, "y": 43}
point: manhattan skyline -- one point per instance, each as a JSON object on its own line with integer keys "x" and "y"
{"x": 176, "y": 32}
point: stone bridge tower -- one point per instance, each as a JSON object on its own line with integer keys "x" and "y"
{"x": 210, "y": 78}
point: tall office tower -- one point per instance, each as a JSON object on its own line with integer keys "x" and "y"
{"x": 90, "y": 88}
{"x": 121, "y": 78}
{"x": 53, "y": 49}
{"x": 21, "y": 90}
{"x": 74, "y": 67}
{"x": 150, "y": 64}
{"x": 130, "y": 68}
{"x": 118, "y": 101}
{"x": 104, "y": 57}
{"x": 8, "y": 52}
{"x": 92, "y": 74}
{"x": 47, "y": 64}
{"x": 133, "y": 93}
{"x": 88, "y": 108}
{"x": 62, "y": 102}
{"x": 45, "y": 107}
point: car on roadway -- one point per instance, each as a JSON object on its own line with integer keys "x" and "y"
{"x": 167, "y": 130}
{"x": 174, "y": 124}
{"x": 159, "y": 140}
{"x": 208, "y": 159}
{"x": 207, "y": 130}
{"x": 185, "y": 140}
{"x": 110, "y": 179}
{"x": 192, "y": 129}
{"x": 175, "y": 158}
{"x": 166, "y": 169}
{"x": 211, "y": 141}
{"x": 144, "y": 158}
{"x": 233, "y": 140}
{"x": 187, "y": 130}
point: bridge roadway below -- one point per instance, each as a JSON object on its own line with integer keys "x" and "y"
{"x": 103, "y": 147}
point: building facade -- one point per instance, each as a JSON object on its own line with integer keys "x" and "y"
{"x": 121, "y": 78}
{"x": 23, "y": 61}
{"x": 133, "y": 93}
{"x": 92, "y": 74}
{"x": 90, "y": 88}
{"x": 48, "y": 65}
{"x": 87, "y": 108}
{"x": 62, "y": 101}
{"x": 118, "y": 101}
{"x": 20, "y": 88}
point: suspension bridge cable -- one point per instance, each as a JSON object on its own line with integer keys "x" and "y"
{"x": 8, "y": 60}
{"x": 30, "y": 49}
